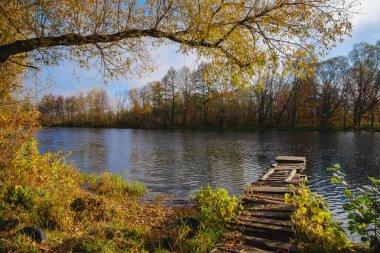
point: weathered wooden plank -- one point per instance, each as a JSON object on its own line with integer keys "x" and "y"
{"x": 278, "y": 183}
{"x": 266, "y": 220}
{"x": 270, "y": 207}
{"x": 290, "y": 176}
{"x": 279, "y": 172}
{"x": 267, "y": 196}
{"x": 267, "y": 174}
{"x": 270, "y": 244}
{"x": 268, "y": 189}
{"x": 262, "y": 232}
{"x": 288, "y": 168}
{"x": 223, "y": 249}
{"x": 291, "y": 164}
{"x": 270, "y": 214}
{"x": 294, "y": 159}
{"x": 261, "y": 200}
{"x": 251, "y": 249}
{"x": 251, "y": 224}
{"x": 277, "y": 178}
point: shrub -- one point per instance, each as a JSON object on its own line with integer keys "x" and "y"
{"x": 315, "y": 231}
{"x": 363, "y": 207}
{"x": 216, "y": 205}
{"x": 24, "y": 196}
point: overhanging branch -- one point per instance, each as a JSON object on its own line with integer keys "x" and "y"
{"x": 28, "y": 45}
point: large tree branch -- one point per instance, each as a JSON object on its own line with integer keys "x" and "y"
{"x": 28, "y": 45}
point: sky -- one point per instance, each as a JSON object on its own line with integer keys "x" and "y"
{"x": 67, "y": 78}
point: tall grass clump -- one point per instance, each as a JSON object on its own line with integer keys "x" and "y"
{"x": 115, "y": 185}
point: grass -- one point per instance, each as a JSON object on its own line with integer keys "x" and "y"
{"x": 114, "y": 185}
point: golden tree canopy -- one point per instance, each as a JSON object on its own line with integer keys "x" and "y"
{"x": 236, "y": 35}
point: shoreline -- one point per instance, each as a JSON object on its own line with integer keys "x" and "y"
{"x": 220, "y": 129}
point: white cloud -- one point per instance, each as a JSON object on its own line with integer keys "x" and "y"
{"x": 369, "y": 13}
{"x": 165, "y": 57}
{"x": 366, "y": 27}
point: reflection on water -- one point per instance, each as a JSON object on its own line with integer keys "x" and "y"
{"x": 179, "y": 162}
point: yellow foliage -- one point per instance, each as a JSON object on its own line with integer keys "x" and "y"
{"x": 239, "y": 37}
{"x": 315, "y": 229}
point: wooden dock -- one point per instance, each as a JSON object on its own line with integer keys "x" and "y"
{"x": 265, "y": 223}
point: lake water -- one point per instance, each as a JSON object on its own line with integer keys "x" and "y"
{"x": 179, "y": 162}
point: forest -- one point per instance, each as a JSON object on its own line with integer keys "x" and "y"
{"x": 342, "y": 92}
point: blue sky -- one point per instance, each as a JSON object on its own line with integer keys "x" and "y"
{"x": 67, "y": 78}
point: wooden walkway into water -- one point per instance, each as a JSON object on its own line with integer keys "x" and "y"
{"x": 265, "y": 225}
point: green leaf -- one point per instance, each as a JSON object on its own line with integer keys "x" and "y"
{"x": 374, "y": 180}
{"x": 335, "y": 180}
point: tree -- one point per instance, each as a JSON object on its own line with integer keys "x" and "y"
{"x": 202, "y": 89}
{"x": 186, "y": 88}
{"x": 266, "y": 95}
{"x": 235, "y": 35}
{"x": 71, "y": 107}
{"x": 98, "y": 103}
{"x": 365, "y": 74}
{"x": 121, "y": 99}
{"x": 170, "y": 80}
{"x": 46, "y": 106}
{"x": 330, "y": 88}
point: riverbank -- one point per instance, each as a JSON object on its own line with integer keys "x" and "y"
{"x": 255, "y": 128}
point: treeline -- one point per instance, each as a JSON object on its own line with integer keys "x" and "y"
{"x": 343, "y": 92}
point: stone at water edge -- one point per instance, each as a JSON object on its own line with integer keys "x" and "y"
{"x": 35, "y": 233}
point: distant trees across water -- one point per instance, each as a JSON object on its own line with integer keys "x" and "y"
{"x": 343, "y": 92}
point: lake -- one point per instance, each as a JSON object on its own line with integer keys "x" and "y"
{"x": 180, "y": 162}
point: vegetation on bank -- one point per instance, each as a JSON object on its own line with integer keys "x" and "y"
{"x": 315, "y": 229}
{"x": 363, "y": 205}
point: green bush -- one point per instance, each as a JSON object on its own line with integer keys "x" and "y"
{"x": 24, "y": 196}
{"x": 315, "y": 230}
{"x": 216, "y": 205}
{"x": 363, "y": 207}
